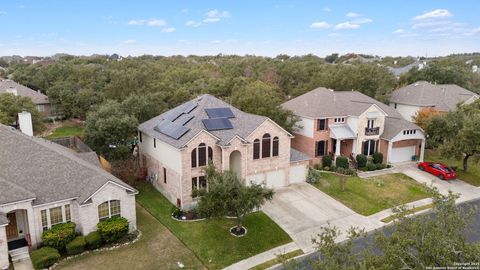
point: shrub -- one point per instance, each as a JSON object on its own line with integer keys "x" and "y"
{"x": 94, "y": 240}
{"x": 113, "y": 228}
{"x": 342, "y": 162}
{"x": 313, "y": 176}
{"x": 317, "y": 166}
{"x": 44, "y": 257}
{"x": 380, "y": 166}
{"x": 326, "y": 168}
{"x": 176, "y": 212}
{"x": 361, "y": 160}
{"x": 59, "y": 235}
{"x": 371, "y": 167}
{"x": 326, "y": 161}
{"x": 333, "y": 168}
{"x": 377, "y": 157}
{"x": 76, "y": 246}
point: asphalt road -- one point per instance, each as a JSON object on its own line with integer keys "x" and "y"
{"x": 473, "y": 235}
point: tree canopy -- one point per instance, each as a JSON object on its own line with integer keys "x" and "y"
{"x": 11, "y": 105}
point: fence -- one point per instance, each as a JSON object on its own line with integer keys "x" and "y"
{"x": 73, "y": 142}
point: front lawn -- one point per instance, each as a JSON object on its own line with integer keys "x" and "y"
{"x": 472, "y": 176}
{"x": 157, "y": 249}
{"x": 70, "y": 129}
{"x": 210, "y": 239}
{"x": 374, "y": 194}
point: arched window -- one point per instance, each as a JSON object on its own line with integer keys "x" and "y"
{"x": 202, "y": 155}
{"x": 256, "y": 149}
{"x": 210, "y": 154}
{"x": 109, "y": 209}
{"x": 194, "y": 158}
{"x": 266, "y": 142}
{"x": 275, "y": 147}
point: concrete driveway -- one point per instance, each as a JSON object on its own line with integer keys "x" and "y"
{"x": 301, "y": 210}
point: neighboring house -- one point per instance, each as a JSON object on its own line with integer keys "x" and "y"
{"x": 176, "y": 146}
{"x": 347, "y": 123}
{"x": 43, "y": 184}
{"x": 410, "y": 99}
{"x": 399, "y": 71}
{"x": 39, "y": 99}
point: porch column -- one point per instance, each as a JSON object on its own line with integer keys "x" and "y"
{"x": 3, "y": 248}
{"x": 422, "y": 150}
{"x": 337, "y": 148}
{"x": 389, "y": 152}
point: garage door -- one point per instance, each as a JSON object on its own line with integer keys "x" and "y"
{"x": 401, "y": 154}
{"x": 275, "y": 179}
{"x": 298, "y": 174}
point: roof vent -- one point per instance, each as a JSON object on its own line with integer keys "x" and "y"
{"x": 416, "y": 84}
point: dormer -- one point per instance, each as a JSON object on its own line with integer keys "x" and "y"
{"x": 371, "y": 122}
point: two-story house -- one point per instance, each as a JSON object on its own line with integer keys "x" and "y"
{"x": 176, "y": 146}
{"x": 347, "y": 123}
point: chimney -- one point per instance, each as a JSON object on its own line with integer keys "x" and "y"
{"x": 25, "y": 123}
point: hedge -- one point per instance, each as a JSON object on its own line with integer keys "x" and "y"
{"x": 377, "y": 157}
{"x": 326, "y": 161}
{"x": 94, "y": 240}
{"x": 361, "y": 160}
{"x": 113, "y": 229}
{"x": 371, "y": 167}
{"x": 341, "y": 162}
{"x": 44, "y": 257}
{"x": 76, "y": 246}
{"x": 59, "y": 235}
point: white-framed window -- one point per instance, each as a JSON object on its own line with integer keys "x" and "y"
{"x": 109, "y": 209}
{"x": 370, "y": 123}
{"x": 339, "y": 120}
{"x": 409, "y": 132}
{"x": 55, "y": 215}
{"x": 44, "y": 218}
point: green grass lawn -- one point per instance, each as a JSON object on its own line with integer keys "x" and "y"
{"x": 210, "y": 239}
{"x": 66, "y": 131}
{"x": 472, "y": 176}
{"x": 374, "y": 194}
{"x": 157, "y": 249}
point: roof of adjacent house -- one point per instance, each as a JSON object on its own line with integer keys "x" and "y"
{"x": 444, "y": 97}
{"x": 296, "y": 155}
{"x": 327, "y": 103}
{"x": 34, "y": 168}
{"x": 3, "y": 219}
{"x": 243, "y": 123}
{"x": 21, "y": 90}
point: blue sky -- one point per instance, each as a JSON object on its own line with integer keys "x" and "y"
{"x": 408, "y": 27}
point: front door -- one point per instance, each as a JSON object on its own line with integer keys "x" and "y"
{"x": 11, "y": 228}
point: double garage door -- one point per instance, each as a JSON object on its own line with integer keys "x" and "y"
{"x": 277, "y": 179}
{"x": 401, "y": 154}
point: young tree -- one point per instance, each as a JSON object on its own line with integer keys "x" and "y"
{"x": 424, "y": 115}
{"x": 227, "y": 194}
{"x": 11, "y": 105}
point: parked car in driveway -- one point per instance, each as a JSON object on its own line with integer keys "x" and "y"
{"x": 439, "y": 170}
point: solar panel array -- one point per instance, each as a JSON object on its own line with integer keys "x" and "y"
{"x": 217, "y": 123}
{"x": 173, "y": 124}
{"x": 219, "y": 113}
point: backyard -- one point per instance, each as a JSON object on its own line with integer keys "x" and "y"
{"x": 210, "y": 239}
{"x": 472, "y": 176}
{"x": 158, "y": 248}
{"x": 371, "y": 195}
{"x": 65, "y": 129}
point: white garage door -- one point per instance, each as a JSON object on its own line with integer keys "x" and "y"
{"x": 275, "y": 179}
{"x": 401, "y": 154}
{"x": 298, "y": 174}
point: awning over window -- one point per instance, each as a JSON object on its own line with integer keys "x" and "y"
{"x": 342, "y": 132}
{"x": 373, "y": 114}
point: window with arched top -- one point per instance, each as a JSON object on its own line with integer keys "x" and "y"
{"x": 266, "y": 145}
{"x": 275, "y": 147}
{"x": 205, "y": 155}
{"x": 202, "y": 154}
{"x": 194, "y": 158}
{"x": 109, "y": 209}
{"x": 256, "y": 149}
{"x": 210, "y": 154}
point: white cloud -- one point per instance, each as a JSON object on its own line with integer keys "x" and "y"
{"x": 193, "y": 23}
{"x": 320, "y": 25}
{"x": 430, "y": 24}
{"x": 326, "y": 9}
{"x": 215, "y": 16}
{"x": 169, "y": 30}
{"x": 156, "y": 22}
{"x": 362, "y": 21}
{"x": 398, "y": 31}
{"x": 346, "y": 25}
{"x": 22, "y": 6}
{"x": 334, "y": 35}
{"x": 136, "y": 22}
{"x": 211, "y": 20}
{"x": 434, "y": 14}
{"x": 3, "y": 13}
{"x": 130, "y": 41}
{"x": 352, "y": 15}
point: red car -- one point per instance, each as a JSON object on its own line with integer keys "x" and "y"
{"x": 441, "y": 171}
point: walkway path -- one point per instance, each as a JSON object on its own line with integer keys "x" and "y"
{"x": 25, "y": 264}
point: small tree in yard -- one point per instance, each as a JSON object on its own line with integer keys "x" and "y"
{"x": 227, "y": 195}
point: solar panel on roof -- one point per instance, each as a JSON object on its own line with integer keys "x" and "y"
{"x": 217, "y": 123}
{"x": 173, "y": 114}
{"x": 172, "y": 130}
{"x": 219, "y": 113}
{"x": 182, "y": 120}
{"x": 190, "y": 106}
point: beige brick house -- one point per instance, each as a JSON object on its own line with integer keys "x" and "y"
{"x": 176, "y": 146}
{"x": 43, "y": 184}
{"x": 347, "y": 123}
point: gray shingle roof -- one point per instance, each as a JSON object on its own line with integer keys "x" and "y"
{"x": 243, "y": 123}
{"x": 37, "y": 97}
{"x": 296, "y": 155}
{"x": 3, "y": 219}
{"x": 444, "y": 97}
{"x": 50, "y": 172}
{"x": 323, "y": 102}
